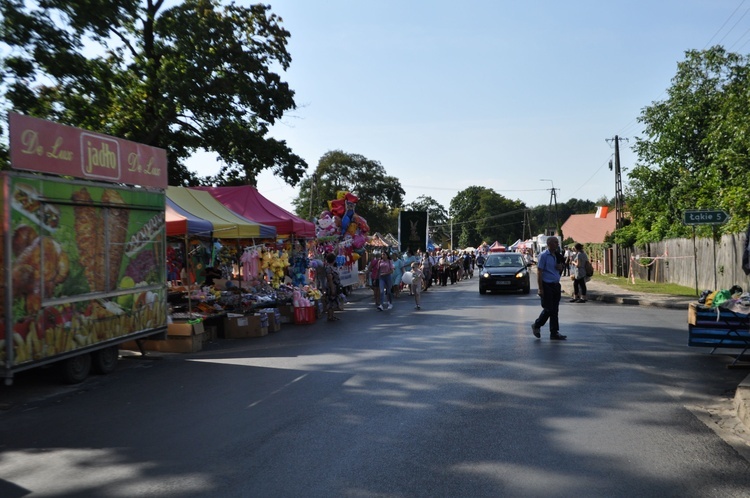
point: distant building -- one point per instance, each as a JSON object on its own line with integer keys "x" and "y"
{"x": 587, "y": 228}
{"x": 590, "y": 229}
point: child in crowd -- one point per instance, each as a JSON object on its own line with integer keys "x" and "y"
{"x": 416, "y": 283}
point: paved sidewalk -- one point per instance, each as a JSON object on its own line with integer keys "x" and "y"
{"x": 610, "y": 293}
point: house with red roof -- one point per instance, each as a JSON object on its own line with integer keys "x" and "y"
{"x": 587, "y": 228}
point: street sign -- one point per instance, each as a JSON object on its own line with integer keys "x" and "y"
{"x": 705, "y": 217}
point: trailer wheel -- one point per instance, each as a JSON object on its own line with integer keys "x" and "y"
{"x": 75, "y": 370}
{"x": 104, "y": 361}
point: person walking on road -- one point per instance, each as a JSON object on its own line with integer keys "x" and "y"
{"x": 333, "y": 283}
{"x": 480, "y": 262}
{"x": 385, "y": 270}
{"x": 373, "y": 269}
{"x": 398, "y": 272}
{"x": 428, "y": 262}
{"x": 418, "y": 280}
{"x": 549, "y": 269}
{"x": 579, "y": 267}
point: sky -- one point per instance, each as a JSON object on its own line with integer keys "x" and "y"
{"x": 516, "y": 96}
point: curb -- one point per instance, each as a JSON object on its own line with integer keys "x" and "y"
{"x": 742, "y": 402}
{"x": 635, "y": 301}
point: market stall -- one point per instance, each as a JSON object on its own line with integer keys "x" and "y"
{"x": 248, "y": 202}
{"x": 215, "y": 282}
{"x": 181, "y": 223}
{"x": 226, "y": 223}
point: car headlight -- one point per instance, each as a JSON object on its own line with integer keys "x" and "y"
{"x": 521, "y": 274}
{"x": 485, "y": 275}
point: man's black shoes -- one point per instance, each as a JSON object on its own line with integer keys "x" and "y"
{"x": 557, "y": 337}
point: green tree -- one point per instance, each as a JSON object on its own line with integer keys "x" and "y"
{"x": 499, "y": 218}
{"x": 695, "y": 150}
{"x": 380, "y": 196}
{"x": 195, "y": 76}
{"x": 482, "y": 215}
{"x": 463, "y": 213}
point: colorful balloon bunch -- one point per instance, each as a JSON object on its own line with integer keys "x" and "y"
{"x": 342, "y": 227}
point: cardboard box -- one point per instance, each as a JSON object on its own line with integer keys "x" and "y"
{"x": 692, "y": 313}
{"x": 241, "y": 326}
{"x": 287, "y": 313}
{"x": 274, "y": 322}
{"x": 211, "y": 333}
{"x": 235, "y": 326}
{"x": 274, "y": 325}
{"x": 185, "y": 328}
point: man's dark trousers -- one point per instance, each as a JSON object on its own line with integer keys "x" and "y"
{"x": 550, "y": 307}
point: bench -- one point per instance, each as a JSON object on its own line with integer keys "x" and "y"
{"x": 718, "y": 328}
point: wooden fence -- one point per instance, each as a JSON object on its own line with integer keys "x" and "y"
{"x": 719, "y": 265}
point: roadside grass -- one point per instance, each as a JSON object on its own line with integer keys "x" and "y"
{"x": 645, "y": 286}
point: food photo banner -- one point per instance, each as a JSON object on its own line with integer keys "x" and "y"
{"x": 47, "y": 147}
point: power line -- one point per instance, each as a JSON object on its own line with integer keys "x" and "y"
{"x": 453, "y": 189}
{"x": 477, "y": 220}
{"x": 725, "y": 23}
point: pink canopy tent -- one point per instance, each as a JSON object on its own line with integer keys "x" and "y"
{"x": 497, "y": 247}
{"x": 248, "y": 202}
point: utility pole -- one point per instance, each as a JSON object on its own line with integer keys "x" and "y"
{"x": 526, "y": 223}
{"x": 552, "y": 199}
{"x": 619, "y": 205}
{"x": 313, "y": 181}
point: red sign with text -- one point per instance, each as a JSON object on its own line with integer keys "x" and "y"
{"x": 47, "y": 147}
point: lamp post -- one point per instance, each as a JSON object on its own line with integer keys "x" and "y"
{"x": 451, "y": 218}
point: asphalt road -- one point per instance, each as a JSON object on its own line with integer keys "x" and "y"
{"x": 458, "y": 399}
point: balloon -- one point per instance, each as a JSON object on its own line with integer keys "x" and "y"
{"x": 337, "y": 207}
{"x": 407, "y": 278}
{"x": 361, "y": 223}
{"x": 345, "y": 221}
{"x": 355, "y": 256}
{"x": 359, "y": 241}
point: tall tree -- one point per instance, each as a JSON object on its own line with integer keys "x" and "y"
{"x": 380, "y": 196}
{"x": 195, "y": 76}
{"x": 695, "y": 150}
{"x": 463, "y": 214}
{"x": 499, "y": 218}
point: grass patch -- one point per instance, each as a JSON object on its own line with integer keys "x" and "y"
{"x": 646, "y": 287}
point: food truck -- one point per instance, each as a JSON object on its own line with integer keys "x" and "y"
{"x": 83, "y": 248}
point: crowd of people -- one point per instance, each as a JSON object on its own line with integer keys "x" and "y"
{"x": 385, "y": 273}
{"x": 385, "y": 276}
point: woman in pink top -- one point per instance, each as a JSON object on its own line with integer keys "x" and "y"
{"x": 385, "y": 269}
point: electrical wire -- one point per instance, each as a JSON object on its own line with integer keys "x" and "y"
{"x": 725, "y": 23}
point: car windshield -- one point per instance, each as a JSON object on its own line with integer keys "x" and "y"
{"x": 504, "y": 260}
